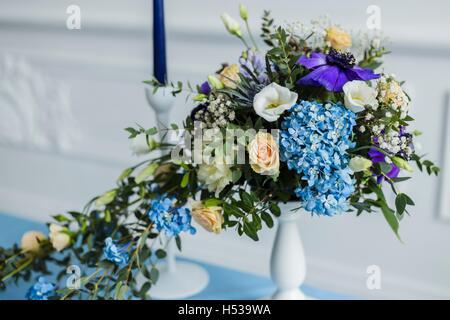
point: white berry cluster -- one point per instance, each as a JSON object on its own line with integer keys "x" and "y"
{"x": 391, "y": 94}
{"x": 217, "y": 113}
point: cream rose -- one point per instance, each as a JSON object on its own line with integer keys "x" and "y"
{"x": 358, "y": 94}
{"x": 142, "y": 144}
{"x": 216, "y": 176}
{"x": 58, "y": 238}
{"x": 31, "y": 240}
{"x": 358, "y": 164}
{"x": 264, "y": 155}
{"x": 338, "y": 38}
{"x": 229, "y": 76}
{"x": 273, "y": 100}
{"x": 210, "y": 218}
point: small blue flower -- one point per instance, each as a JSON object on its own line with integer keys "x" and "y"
{"x": 41, "y": 290}
{"x": 115, "y": 253}
{"x": 169, "y": 218}
{"x": 314, "y": 140}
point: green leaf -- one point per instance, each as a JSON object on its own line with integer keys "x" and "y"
{"x": 61, "y": 218}
{"x": 125, "y": 174}
{"x": 409, "y": 201}
{"x": 152, "y": 131}
{"x": 400, "y": 203}
{"x": 250, "y": 231}
{"x": 185, "y": 180}
{"x": 160, "y": 254}
{"x": 267, "y": 219}
{"x": 213, "y": 202}
{"x": 236, "y": 175}
{"x": 106, "y": 198}
{"x": 275, "y": 209}
{"x": 178, "y": 242}
{"x": 146, "y": 172}
{"x": 391, "y": 219}
{"x": 121, "y": 290}
{"x": 154, "y": 275}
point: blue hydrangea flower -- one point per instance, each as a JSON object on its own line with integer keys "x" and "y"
{"x": 116, "y": 253}
{"x": 169, "y": 218}
{"x": 41, "y": 290}
{"x": 314, "y": 139}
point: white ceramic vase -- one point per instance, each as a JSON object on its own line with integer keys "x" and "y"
{"x": 287, "y": 263}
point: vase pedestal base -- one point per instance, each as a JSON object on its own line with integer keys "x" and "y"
{"x": 294, "y": 294}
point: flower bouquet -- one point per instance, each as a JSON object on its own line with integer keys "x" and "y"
{"x": 312, "y": 119}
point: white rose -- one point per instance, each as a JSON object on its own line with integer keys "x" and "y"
{"x": 31, "y": 240}
{"x": 215, "y": 176}
{"x": 358, "y": 94}
{"x": 272, "y": 101}
{"x": 58, "y": 238}
{"x": 142, "y": 144}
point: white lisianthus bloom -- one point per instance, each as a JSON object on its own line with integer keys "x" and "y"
{"x": 31, "y": 240}
{"x": 358, "y": 94}
{"x": 272, "y": 101}
{"x": 358, "y": 164}
{"x": 59, "y": 239}
{"x": 142, "y": 144}
{"x": 215, "y": 176}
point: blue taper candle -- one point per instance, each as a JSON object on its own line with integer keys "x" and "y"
{"x": 159, "y": 42}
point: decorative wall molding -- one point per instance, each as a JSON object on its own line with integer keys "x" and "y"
{"x": 35, "y": 109}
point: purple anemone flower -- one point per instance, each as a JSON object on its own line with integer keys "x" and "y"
{"x": 333, "y": 70}
{"x": 377, "y": 157}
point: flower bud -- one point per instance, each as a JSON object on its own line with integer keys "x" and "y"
{"x": 215, "y": 83}
{"x": 402, "y": 164}
{"x": 358, "y": 164}
{"x": 232, "y": 25}
{"x": 243, "y": 12}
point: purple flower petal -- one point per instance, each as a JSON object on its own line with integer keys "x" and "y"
{"x": 205, "y": 88}
{"x": 316, "y": 60}
{"x": 363, "y": 74}
{"x": 376, "y": 156}
{"x": 394, "y": 171}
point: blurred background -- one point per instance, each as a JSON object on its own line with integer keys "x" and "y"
{"x": 66, "y": 95}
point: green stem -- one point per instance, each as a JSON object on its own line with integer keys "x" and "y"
{"x": 27, "y": 262}
{"x": 251, "y": 35}
{"x": 244, "y": 42}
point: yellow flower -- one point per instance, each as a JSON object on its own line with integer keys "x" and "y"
{"x": 338, "y": 38}
{"x": 264, "y": 155}
{"x": 229, "y": 76}
{"x": 31, "y": 241}
{"x": 209, "y": 218}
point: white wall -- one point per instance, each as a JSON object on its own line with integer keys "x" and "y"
{"x": 84, "y": 86}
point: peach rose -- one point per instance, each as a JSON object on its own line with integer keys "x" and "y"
{"x": 229, "y": 76}
{"x": 210, "y": 218}
{"x": 338, "y": 38}
{"x": 31, "y": 241}
{"x": 264, "y": 155}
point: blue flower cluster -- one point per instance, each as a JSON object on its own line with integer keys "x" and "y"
{"x": 170, "y": 218}
{"x": 314, "y": 139}
{"x": 41, "y": 290}
{"x": 116, "y": 253}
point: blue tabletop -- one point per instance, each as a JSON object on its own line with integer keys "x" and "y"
{"x": 224, "y": 284}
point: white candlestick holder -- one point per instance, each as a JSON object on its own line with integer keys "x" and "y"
{"x": 177, "y": 279}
